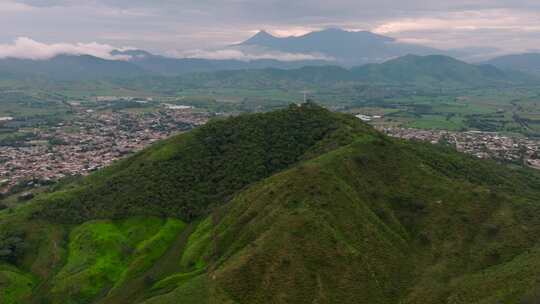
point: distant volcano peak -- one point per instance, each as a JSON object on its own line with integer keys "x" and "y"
{"x": 261, "y": 37}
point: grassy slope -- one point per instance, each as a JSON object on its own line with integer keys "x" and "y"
{"x": 375, "y": 221}
{"x": 104, "y": 254}
{"x": 14, "y": 285}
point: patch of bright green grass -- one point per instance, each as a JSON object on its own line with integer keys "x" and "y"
{"x": 197, "y": 246}
{"x": 103, "y": 253}
{"x": 97, "y": 256}
{"x": 193, "y": 291}
{"x": 15, "y": 285}
{"x": 139, "y": 229}
{"x": 151, "y": 249}
{"x": 176, "y": 279}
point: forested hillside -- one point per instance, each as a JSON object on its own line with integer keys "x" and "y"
{"x": 187, "y": 175}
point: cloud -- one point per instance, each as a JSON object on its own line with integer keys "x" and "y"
{"x": 509, "y": 29}
{"x": 244, "y": 55}
{"x": 292, "y": 31}
{"x": 194, "y": 24}
{"x": 7, "y": 6}
{"x": 26, "y": 48}
{"x": 497, "y": 19}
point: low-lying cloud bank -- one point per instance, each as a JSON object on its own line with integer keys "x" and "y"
{"x": 246, "y": 55}
{"x": 26, "y": 48}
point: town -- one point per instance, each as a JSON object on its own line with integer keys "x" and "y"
{"x": 89, "y": 141}
{"x": 484, "y": 145}
{"x": 95, "y": 139}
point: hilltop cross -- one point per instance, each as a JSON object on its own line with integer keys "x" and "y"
{"x": 305, "y": 95}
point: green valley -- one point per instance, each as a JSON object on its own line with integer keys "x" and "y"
{"x": 433, "y": 92}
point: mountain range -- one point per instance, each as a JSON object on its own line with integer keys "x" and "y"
{"x": 300, "y": 205}
{"x": 347, "y": 49}
{"x": 431, "y": 73}
{"x": 429, "y": 70}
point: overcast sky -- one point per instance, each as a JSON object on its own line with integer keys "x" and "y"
{"x": 168, "y": 25}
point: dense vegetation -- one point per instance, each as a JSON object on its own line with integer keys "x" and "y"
{"x": 320, "y": 209}
{"x": 11, "y": 245}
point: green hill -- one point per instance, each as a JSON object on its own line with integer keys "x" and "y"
{"x": 435, "y": 70}
{"x": 296, "y": 206}
{"x": 188, "y": 175}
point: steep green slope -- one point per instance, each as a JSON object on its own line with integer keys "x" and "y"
{"x": 356, "y": 217}
{"x": 106, "y": 253}
{"x": 378, "y": 221}
{"x": 66, "y": 264}
{"x": 382, "y": 222}
{"x": 14, "y": 285}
